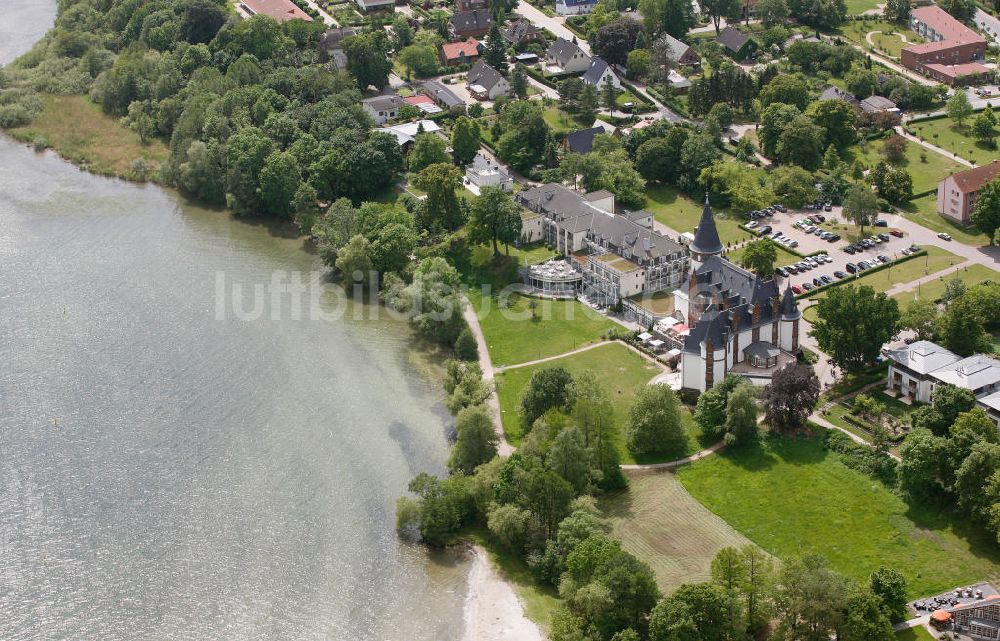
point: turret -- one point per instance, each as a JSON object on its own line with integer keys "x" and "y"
{"x": 790, "y": 316}
{"x": 706, "y": 238}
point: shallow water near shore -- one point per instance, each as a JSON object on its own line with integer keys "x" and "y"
{"x": 170, "y": 473}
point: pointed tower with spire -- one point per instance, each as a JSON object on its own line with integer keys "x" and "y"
{"x": 706, "y": 238}
{"x": 790, "y": 315}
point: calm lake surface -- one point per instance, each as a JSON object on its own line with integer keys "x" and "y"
{"x": 168, "y": 475}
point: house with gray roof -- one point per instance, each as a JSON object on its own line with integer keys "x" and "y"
{"x": 878, "y": 104}
{"x": 486, "y": 83}
{"x": 564, "y": 56}
{"x": 916, "y": 370}
{"x": 619, "y": 255}
{"x": 737, "y": 322}
{"x": 382, "y": 108}
{"x": 581, "y": 142}
{"x": 680, "y": 53}
{"x": 521, "y": 32}
{"x": 465, "y": 24}
{"x": 443, "y": 96}
{"x": 836, "y": 93}
{"x": 737, "y": 44}
{"x": 599, "y": 73}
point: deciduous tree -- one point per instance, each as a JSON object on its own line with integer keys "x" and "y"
{"x": 790, "y": 398}
{"x": 654, "y": 422}
{"x": 986, "y": 213}
{"x": 853, "y": 324}
{"x": 476, "y": 440}
{"x": 760, "y": 256}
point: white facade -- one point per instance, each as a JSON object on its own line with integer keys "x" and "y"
{"x": 482, "y": 172}
{"x": 574, "y": 7}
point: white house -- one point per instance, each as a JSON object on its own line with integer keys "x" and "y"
{"x": 599, "y": 73}
{"x": 486, "y": 83}
{"x": 382, "y": 108}
{"x": 916, "y": 370}
{"x": 738, "y": 322}
{"x": 565, "y": 57}
{"x": 574, "y": 7}
{"x": 482, "y": 172}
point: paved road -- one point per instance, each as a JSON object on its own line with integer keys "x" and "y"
{"x": 556, "y": 25}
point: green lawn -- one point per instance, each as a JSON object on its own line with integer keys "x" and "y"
{"x": 944, "y": 133}
{"x": 971, "y": 275}
{"x": 923, "y": 211}
{"x": 514, "y": 336}
{"x": 909, "y": 270}
{"x": 791, "y": 496}
{"x": 855, "y": 30}
{"x": 623, "y": 370}
{"x": 919, "y": 633}
{"x": 677, "y": 211}
{"x": 926, "y": 167}
{"x": 889, "y": 43}
{"x": 560, "y": 121}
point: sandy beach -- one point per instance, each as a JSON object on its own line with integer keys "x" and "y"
{"x": 492, "y": 609}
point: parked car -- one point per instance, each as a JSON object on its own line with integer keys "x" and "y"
{"x": 821, "y": 217}
{"x": 826, "y": 279}
{"x": 884, "y": 237}
{"x": 763, "y": 231}
{"x": 751, "y": 224}
{"x": 781, "y": 272}
{"x": 781, "y": 208}
{"x": 944, "y": 236}
{"x": 807, "y": 286}
{"x": 881, "y": 223}
{"x": 839, "y": 274}
{"x": 883, "y": 258}
{"x": 896, "y": 232}
{"x": 793, "y": 243}
{"x": 851, "y": 268}
{"x": 817, "y": 282}
{"x": 828, "y": 207}
{"x": 833, "y": 238}
{"x": 850, "y": 250}
{"x": 796, "y": 289}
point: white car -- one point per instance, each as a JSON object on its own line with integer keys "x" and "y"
{"x": 944, "y": 236}
{"x": 751, "y": 224}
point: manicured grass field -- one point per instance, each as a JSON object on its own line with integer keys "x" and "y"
{"x": 909, "y": 270}
{"x": 945, "y": 133}
{"x": 856, "y": 30}
{"x": 923, "y": 211}
{"x": 623, "y": 370}
{"x": 971, "y": 275}
{"x": 78, "y": 129}
{"x": 680, "y": 213}
{"x": 919, "y": 633}
{"x": 560, "y": 121}
{"x": 559, "y": 326}
{"x": 926, "y": 167}
{"x": 791, "y": 496}
{"x": 659, "y": 522}
{"x": 889, "y": 43}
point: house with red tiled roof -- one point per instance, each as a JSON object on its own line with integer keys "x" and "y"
{"x": 957, "y": 193}
{"x": 280, "y": 10}
{"x": 460, "y": 53}
{"x": 953, "y": 54}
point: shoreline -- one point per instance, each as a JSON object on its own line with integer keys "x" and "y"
{"x": 493, "y": 612}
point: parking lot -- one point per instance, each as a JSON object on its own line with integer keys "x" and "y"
{"x": 958, "y": 596}
{"x": 809, "y": 243}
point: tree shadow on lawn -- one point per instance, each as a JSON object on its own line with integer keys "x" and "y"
{"x": 773, "y": 448}
{"x": 939, "y": 517}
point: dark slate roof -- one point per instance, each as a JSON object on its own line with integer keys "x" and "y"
{"x": 519, "y": 31}
{"x": 720, "y": 280}
{"x": 483, "y": 75}
{"x": 762, "y": 349}
{"x": 836, "y": 93}
{"x": 789, "y": 308}
{"x": 593, "y": 74}
{"x": 563, "y": 50}
{"x": 439, "y": 92}
{"x": 732, "y": 38}
{"x": 475, "y": 20}
{"x": 675, "y": 48}
{"x": 706, "y": 237}
{"x": 582, "y": 142}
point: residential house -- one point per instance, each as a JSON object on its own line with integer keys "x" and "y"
{"x": 406, "y": 133}
{"x": 678, "y": 83}
{"x": 486, "y": 83}
{"x": 956, "y": 194}
{"x": 526, "y": 58}
{"x": 465, "y": 24}
{"x": 331, "y": 46}
{"x": 737, "y": 44}
{"x": 443, "y": 96}
{"x": 953, "y": 54}
{"x": 836, "y": 93}
{"x": 460, "y": 53}
{"x": 878, "y": 104}
{"x": 574, "y": 7}
{"x": 599, "y": 73}
{"x": 737, "y": 321}
{"x": 382, "y": 108}
{"x": 375, "y": 5}
{"x": 618, "y": 255}
{"x": 280, "y": 10}
{"x": 564, "y": 56}
{"x": 483, "y": 172}
{"x": 469, "y": 5}
{"x": 916, "y": 370}
{"x": 581, "y": 142}
{"x": 680, "y": 53}
{"x": 521, "y": 33}
{"x": 424, "y": 103}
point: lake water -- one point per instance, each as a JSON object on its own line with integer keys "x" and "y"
{"x": 170, "y": 471}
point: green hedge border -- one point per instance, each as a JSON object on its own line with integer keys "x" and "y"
{"x": 856, "y": 275}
